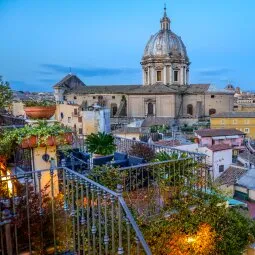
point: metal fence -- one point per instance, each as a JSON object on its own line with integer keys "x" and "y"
{"x": 58, "y": 210}
{"x": 125, "y": 145}
{"x": 150, "y": 188}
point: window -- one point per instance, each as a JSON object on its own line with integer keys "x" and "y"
{"x": 79, "y": 119}
{"x": 234, "y": 121}
{"x": 100, "y": 97}
{"x": 74, "y": 97}
{"x": 150, "y": 109}
{"x": 61, "y": 115}
{"x": 80, "y": 131}
{"x": 212, "y": 96}
{"x": 176, "y": 74}
{"x": 113, "y": 97}
{"x": 74, "y": 126}
{"x": 75, "y": 111}
{"x": 221, "y": 168}
{"x": 69, "y": 120}
{"x": 190, "y": 109}
{"x": 222, "y": 122}
{"x": 94, "y": 97}
{"x": 64, "y": 97}
{"x": 146, "y": 77}
{"x": 212, "y": 111}
{"x": 114, "y": 109}
{"x": 158, "y": 75}
{"x": 247, "y": 130}
{"x": 246, "y": 121}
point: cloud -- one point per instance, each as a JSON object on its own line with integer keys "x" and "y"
{"x": 47, "y": 81}
{"x": 90, "y": 71}
{"x": 212, "y": 72}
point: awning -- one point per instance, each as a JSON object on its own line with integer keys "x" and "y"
{"x": 219, "y": 138}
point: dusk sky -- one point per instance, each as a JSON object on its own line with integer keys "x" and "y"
{"x": 103, "y": 41}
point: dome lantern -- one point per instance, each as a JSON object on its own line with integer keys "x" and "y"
{"x": 165, "y": 21}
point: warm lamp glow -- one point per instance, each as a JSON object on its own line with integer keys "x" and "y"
{"x": 191, "y": 239}
{"x": 202, "y": 242}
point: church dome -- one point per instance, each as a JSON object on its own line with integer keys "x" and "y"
{"x": 165, "y": 43}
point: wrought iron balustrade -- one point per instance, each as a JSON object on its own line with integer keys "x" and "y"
{"x": 150, "y": 188}
{"x": 58, "y": 210}
{"x": 125, "y": 145}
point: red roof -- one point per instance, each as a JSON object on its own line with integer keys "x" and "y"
{"x": 219, "y": 147}
{"x": 168, "y": 143}
{"x": 218, "y": 132}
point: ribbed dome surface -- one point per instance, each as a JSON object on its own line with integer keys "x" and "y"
{"x": 165, "y": 43}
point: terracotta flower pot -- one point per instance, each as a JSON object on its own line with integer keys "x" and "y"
{"x": 51, "y": 141}
{"x": 40, "y": 112}
{"x": 68, "y": 138}
{"x": 30, "y": 142}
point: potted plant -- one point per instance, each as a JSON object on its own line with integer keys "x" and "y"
{"x": 100, "y": 144}
{"x": 39, "y": 109}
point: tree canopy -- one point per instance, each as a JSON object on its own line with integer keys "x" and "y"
{"x": 5, "y": 93}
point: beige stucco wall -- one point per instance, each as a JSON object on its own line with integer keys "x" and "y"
{"x": 17, "y": 109}
{"x": 164, "y": 106}
{"x": 93, "y": 98}
{"x": 220, "y": 102}
{"x": 40, "y": 164}
{"x": 241, "y": 189}
{"x": 69, "y": 119}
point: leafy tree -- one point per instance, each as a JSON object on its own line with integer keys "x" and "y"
{"x": 5, "y": 93}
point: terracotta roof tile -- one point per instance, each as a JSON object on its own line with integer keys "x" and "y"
{"x": 230, "y": 175}
{"x": 218, "y": 132}
{"x": 219, "y": 147}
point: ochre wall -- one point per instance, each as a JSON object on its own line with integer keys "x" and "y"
{"x": 237, "y": 123}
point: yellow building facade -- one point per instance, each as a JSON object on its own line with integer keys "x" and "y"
{"x": 243, "y": 121}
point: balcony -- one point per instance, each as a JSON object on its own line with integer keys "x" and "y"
{"x": 61, "y": 211}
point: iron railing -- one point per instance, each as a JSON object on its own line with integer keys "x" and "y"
{"x": 125, "y": 145}
{"x": 150, "y": 188}
{"x": 58, "y": 210}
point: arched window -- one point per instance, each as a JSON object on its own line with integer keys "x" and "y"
{"x": 150, "y": 109}
{"x": 212, "y": 111}
{"x": 190, "y": 109}
{"x": 114, "y": 109}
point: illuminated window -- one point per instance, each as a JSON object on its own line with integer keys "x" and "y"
{"x": 176, "y": 74}
{"x": 246, "y": 121}
{"x": 222, "y": 122}
{"x": 158, "y": 75}
{"x": 234, "y": 121}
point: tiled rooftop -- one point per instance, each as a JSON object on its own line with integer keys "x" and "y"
{"x": 218, "y": 132}
{"x": 234, "y": 115}
{"x": 230, "y": 175}
{"x": 219, "y": 147}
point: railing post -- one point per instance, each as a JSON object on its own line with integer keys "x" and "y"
{"x": 120, "y": 248}
{"x": 6, "y": 216}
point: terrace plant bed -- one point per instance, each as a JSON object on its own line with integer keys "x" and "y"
{"x": 39, "y": 110}
{"x": 40, "y": 134}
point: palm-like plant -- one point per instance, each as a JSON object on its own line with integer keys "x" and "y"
{"x": 100, "y": 143}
